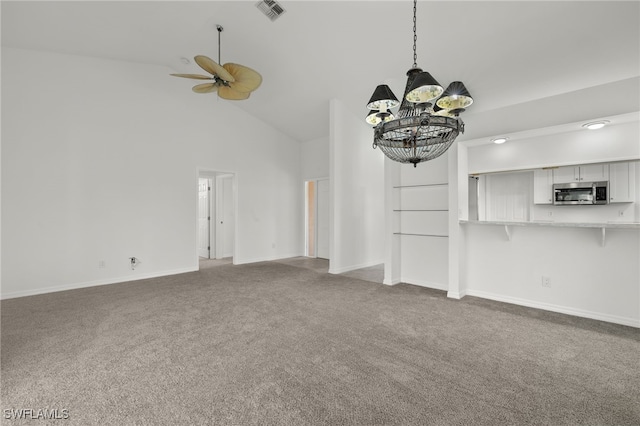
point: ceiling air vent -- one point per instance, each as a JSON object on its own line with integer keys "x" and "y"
{"x": 271, "y": 8}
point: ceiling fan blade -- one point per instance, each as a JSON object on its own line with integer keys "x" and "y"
{"x": 205, "y": 88}
{"x": 246, "y": 79}
{"x": 212, "y": 67}
{"x": 194, "y": 76}
{"x": 233, "y": 95}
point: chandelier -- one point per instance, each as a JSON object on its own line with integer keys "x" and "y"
{"x": 427, "y": 121}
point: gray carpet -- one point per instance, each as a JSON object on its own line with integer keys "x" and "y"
{"x": 274, "y": 344}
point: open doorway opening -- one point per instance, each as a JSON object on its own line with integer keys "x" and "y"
{"x": 216, "y": 222}
{"x": 317, "y": 218}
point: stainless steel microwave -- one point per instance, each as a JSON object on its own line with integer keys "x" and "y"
{"x": 581, "y": 193}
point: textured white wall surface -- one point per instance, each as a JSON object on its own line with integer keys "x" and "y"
{"x": 357, "y": 193}
{"x": 100, "y": 161}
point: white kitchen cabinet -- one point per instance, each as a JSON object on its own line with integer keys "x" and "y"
{"x": 543, "y": 186}
{"x": 566, "y": 174}
{"x": 585, "y": 173}
{"x": 594, "y": 172}
{"x": 622, "y": 182}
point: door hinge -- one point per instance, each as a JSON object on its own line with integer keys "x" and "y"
{"x": 208, "y": 188}
{"x": 209, "y": 248}
{"x": 209, "y": 218}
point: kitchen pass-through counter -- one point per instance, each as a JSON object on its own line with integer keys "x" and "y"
{"x": 602, "y": 226}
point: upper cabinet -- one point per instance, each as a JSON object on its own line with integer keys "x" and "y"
{"x": 543, "y": 186}
{"x": 621, "y": 177}
{"x": 585, "y": 173}
{"x": 622, "y": 182}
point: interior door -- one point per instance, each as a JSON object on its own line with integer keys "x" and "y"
{"x": 225, "y": 226}
{"x": 204, "y": 217}
{"x": 322, "y": 219}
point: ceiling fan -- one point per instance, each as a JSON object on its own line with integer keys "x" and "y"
{"x": 231, "y": 81}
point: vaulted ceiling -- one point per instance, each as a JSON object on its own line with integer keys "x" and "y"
{"x": 527, "y": 64}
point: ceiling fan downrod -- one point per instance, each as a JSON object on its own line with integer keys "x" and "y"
{"x": 220, "y": 29}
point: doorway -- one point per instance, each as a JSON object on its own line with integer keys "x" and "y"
{"x": 216, "y": 221}
{"x": 204, "y": 218}
{"x": 317, "y": 218}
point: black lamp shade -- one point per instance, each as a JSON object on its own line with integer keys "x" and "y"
{"x": 442, "y": 112}
{"x": 455, "y": 98}
{"x": 383, "y": 96}
{"x": 374, "y": 117}
{"x": 423, "y": 89}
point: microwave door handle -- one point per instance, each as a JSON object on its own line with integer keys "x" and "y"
{"x": 593, "y": 189}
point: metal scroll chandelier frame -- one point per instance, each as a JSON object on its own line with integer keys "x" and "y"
{"x": 427, "y": 121}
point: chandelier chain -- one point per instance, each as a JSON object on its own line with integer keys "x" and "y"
{"x": 415, "y": 36}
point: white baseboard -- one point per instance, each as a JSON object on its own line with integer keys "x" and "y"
{"x": 241, "y": 261}
{"x": 95, "y": 283}
{"x": 427, "y": 284}
{"x": 354, "y": 267}
{"x": 391, "y": 282}
{"x": 632, "y": 322}
{"x": 456, "y": 294}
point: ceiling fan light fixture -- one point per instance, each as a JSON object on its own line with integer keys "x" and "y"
{"x": 231, "y": 81}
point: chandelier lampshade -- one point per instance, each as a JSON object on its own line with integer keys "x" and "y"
{"x": 374, "y": 116}
{"x": 443, "y": 112}
{"x": 424, "y": 88}
{"x": 427, "y": 121}
{"x": 456, "y": 98}
{"x": 383, "y": 99}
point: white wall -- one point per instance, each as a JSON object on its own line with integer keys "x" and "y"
{"x": 615, "y": 142}
{"x": 587, "y": 279}
{"x": 314, "y": 158}
{"x": 100, "y": 162}
{"x": 357, "y": 193}
{"x": 423, "y": 218}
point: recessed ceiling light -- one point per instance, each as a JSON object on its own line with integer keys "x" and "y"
{"x": 595, "y": 125}
{"x": 499, "y": 140}
{"x": 185, "y": 61}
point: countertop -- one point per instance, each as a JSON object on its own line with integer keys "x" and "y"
{"x": 619, "y": 225}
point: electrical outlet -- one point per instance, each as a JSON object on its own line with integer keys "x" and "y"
{"x": 134, "y": 262}
{"x": 546, "y": 281}
{"x": 620, "y": 213}
{"x": 102, "y": 264}
{"x": 549, "y": 213}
